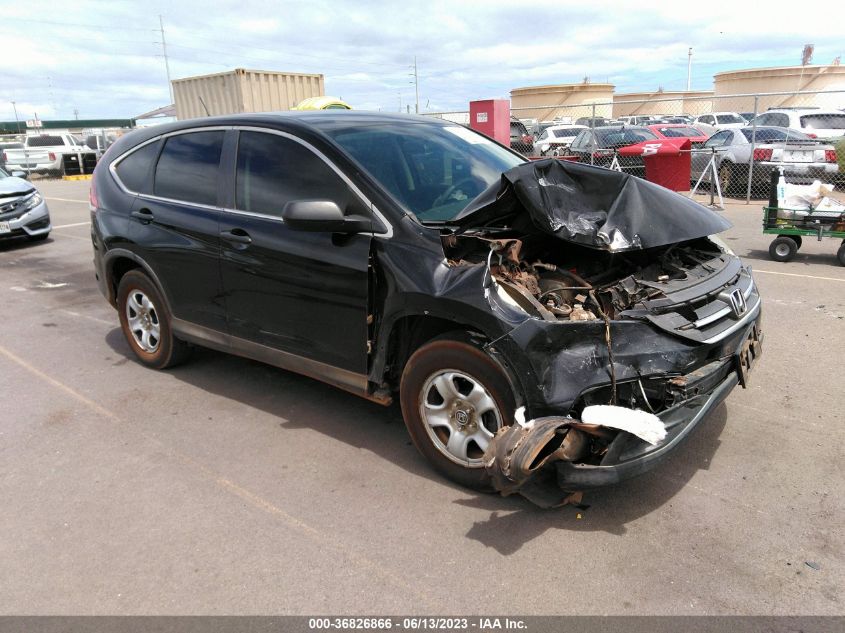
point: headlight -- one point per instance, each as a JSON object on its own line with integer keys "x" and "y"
{"x": 33, "y": 201}
{"x": 718, "y": 242}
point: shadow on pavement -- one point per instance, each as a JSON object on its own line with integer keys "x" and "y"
{"x": 300, "y": 402}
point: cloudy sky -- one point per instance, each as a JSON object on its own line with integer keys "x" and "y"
{"x": 104, "y": 59}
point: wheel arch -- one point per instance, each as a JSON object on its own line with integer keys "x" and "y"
{"x": 118, "y": 262}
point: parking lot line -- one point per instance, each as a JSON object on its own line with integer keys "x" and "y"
{"x": 322, "y": 539}
{"x": 772, "y": 272}
{"x": 67, "y": 226}
{"x": 66, "y": 200}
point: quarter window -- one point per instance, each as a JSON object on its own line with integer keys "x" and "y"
{"x": 188, "y": 167}
{"x": 273, "y": 170}
{"x": 134, "y": 170}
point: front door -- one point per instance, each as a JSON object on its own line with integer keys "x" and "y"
{"x": 304, "y": 293}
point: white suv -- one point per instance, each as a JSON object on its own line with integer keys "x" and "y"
{"x": 814, "y": 122}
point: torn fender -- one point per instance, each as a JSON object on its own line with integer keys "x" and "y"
{"x": 591, "y": 206}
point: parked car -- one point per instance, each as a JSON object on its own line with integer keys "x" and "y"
{"x": 715, "y": 121}
{"x": 556, "y": 139}
{"x": 802, "y": 158}
{"x": 747, "y": 116}
{"x": 679, "y": 130}
{"x": 23, "y": 210}
{"x": 44, "y": 153}
{"x": 682, "y": 120}
{"x": 597, "y": 146}
{"x": 407, "y": 257}
{"x": 7, "y": 145}
{"x": 521, "y": 140}
{"x": 636, "y": 119}
{"x": 597, "y": 121}
{"x": 814, "y": 122}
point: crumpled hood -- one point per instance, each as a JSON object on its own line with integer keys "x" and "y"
{"x": 591, "y": 206}
{"x": 11, "y": 186}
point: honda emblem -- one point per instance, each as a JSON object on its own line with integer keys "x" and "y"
{"x": 738, "y": 304}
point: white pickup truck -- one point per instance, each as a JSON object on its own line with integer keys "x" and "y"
{"x": 44, "y": 153}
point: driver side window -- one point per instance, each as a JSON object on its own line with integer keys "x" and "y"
{"x": 719, "y": 139}
{"x": 273, "y": 170}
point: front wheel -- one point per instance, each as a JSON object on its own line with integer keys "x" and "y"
{"x": 454, "y": 399}
{"x": 840, "y": 254}
{"x": 146, "y": 323}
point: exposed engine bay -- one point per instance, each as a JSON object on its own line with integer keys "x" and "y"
{"x": 567, "y": 282}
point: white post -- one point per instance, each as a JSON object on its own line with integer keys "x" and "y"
{"x": 689, "y": 69}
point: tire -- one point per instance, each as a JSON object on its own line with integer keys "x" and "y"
{"x": 798, "y": 241}
{"x": 145, "y": 322}
{"x": 452, "y": 389}
{"x": 840, "y": 254}
{"x": 783, "y": 248}
{"x": 729, "y": 178}
{"x": 38, "y": 238}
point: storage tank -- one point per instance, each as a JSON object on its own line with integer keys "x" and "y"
{"x": 788, "y": 79}
{"x": 662, "y": 102}
{"x": 243, "y": 90}
{"x": 562, "y": 100}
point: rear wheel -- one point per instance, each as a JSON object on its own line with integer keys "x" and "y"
{"x": 840, "y": 254}
{"x": 146, "y": 323}
{"x": 454, "y": 399}
{"x": 782, "y": 248}
{"x": 729, "y": 178}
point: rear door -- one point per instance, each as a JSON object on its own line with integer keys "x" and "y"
{"x": 304, "y": 293}
{"x": 176, "y": 225}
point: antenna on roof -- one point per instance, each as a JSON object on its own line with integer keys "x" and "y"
{"x": 204, "y": 107}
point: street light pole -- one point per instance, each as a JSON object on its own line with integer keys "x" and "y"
{"x": 166, "y": 61}
{"x": 689, "y": 69}
{"x": 417, "y": 84}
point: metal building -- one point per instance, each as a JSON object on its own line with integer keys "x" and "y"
{"x": 243, "y": 90}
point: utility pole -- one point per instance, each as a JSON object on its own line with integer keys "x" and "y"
{"x": 17, "y": 121}
{"x": 166, "y": 62}
{"x": 76, "y": 113}
{"x": 416, "y": 84}
{"x": 689, "y": 69}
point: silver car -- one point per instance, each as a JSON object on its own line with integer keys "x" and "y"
{"x": 23, "y": 211}
{"x": 802, "y": 158}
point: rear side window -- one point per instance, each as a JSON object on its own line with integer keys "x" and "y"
{"x": 134, "y": 170}
{"x": 273, "y": 170}
{"x": 44, "y": 141}
{"x": 188, "y": 167}
{"x": 823, "y": 121}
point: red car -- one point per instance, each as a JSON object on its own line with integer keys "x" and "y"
{"x": 678, "y": 131}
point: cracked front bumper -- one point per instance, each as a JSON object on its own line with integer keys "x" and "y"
{"x": 628, "y": 456}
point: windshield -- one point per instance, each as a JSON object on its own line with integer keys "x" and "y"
{"x": 619, "y": 137}
{"x": 729, "y": 118}
{"x": 679, "y": 132}
{"x": 433, "y": 170}
{"x": 3, "y": 174}
{"x": 773, "y": 135}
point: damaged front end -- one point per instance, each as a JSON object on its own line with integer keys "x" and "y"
{"x": 624, "y": 318}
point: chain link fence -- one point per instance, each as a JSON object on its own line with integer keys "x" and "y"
{"x": 726, "y": 146}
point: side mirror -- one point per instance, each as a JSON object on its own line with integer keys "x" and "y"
{"x": 322, "y": 216}
{"x": 20, "y": 174}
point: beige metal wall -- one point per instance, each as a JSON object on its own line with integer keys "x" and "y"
{"x": 790, "y": 79}
{"x": 561, "y": 100}
{"x": 662, "y": 102}
{"x": 243, "y": 90}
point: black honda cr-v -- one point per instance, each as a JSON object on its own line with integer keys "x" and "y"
{"x": 412, "y": 257}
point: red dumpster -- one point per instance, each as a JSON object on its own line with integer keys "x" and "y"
{"x": 667, "y": 161}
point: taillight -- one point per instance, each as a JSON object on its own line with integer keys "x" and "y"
{"x": 830, "y": 156}
{"x": 93, "y": 203}
{"x": 51, "y": 155}
{"x": 602, "y": 153}
{"x": 811, "y": 135}
{"x": 761, "y": 153}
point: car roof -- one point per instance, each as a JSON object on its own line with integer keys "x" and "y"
{"x": 800, "y": 111}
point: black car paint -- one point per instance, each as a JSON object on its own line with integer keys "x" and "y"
{"x": 324, "y": 286}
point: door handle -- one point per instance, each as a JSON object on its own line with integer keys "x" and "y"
{"x": 145, "y": 215}
{"x": 238, "y": 236}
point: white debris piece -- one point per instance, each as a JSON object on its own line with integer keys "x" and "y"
{"x": 519, "y": 418}
{"x": 643, "y": 424}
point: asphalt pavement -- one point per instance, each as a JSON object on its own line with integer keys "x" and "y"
{"x": 225, "y": 486}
